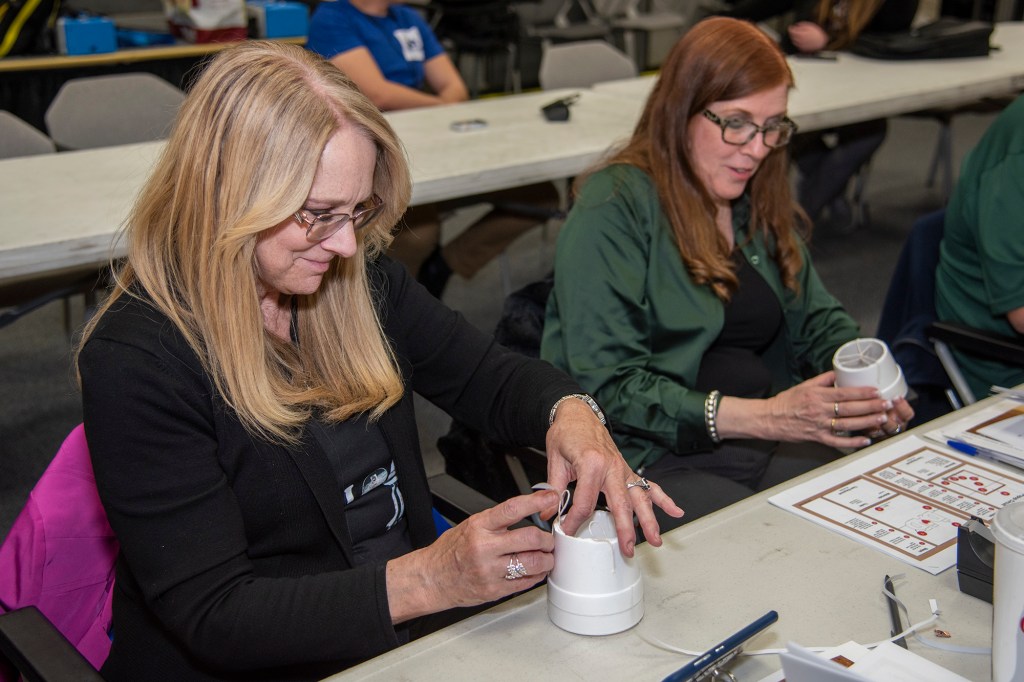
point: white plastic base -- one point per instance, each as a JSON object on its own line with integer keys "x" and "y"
{"x": 606, "y": 614}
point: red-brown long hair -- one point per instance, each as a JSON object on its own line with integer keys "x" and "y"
{"x": 718, "y": 59}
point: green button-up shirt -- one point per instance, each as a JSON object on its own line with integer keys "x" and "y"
{"x": 627, "y": 321}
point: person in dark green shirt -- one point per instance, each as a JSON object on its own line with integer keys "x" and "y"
{"x": 684, "y": 299}
{"x": 980, "y": 278}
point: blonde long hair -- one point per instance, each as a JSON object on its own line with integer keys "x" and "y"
{"x": 241, "y": 159}
{"x": 718, "y": 59}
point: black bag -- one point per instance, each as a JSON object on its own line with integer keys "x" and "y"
{"x": 27, "y": 26}
{"x": 946, "y": 38}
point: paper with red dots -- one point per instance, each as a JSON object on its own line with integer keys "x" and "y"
{"x": 907, "y": 498}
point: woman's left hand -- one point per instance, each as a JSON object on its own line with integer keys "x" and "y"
{"x": 579, "y": 447}
{"x": 898, "y": 418}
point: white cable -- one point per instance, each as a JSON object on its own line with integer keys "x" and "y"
{"x": 932, "y": 643}
{"x": 911, "y": 630}
{"x": 658, "y": 644}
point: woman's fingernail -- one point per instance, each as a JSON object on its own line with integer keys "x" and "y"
{"x": 888, "y": 404}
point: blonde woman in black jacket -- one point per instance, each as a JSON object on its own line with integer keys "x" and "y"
{"x": 247, "y": 396}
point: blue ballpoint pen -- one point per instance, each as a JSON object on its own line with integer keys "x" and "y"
{"x": 976, "y": 451}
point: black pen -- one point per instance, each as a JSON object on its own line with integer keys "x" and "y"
{"x": 894, "y": 613}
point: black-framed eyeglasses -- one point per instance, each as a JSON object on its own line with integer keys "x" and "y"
{"x": 739, "y": 131}
{"x": 320, "y": 226}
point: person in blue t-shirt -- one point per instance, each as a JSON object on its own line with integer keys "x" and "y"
{"x": 393, "y": 56}
{"x": 389, "y": 50}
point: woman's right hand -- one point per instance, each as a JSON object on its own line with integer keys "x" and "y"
{"x": 815, "y": 410}
{"x": 468, "y": 564}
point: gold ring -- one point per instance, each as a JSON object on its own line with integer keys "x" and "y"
{"x": 832, "y": 426}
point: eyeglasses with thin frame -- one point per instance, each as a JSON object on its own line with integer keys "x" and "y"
{"x": 740, "y": 131}
{"x": 320, "y": 226}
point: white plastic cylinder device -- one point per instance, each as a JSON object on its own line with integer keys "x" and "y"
{"x": 593, "y": 589}
{"x": 1008, "y": 595}
{"x": 868, "y": 362}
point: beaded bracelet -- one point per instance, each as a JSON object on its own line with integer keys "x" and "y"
{"x": 711, "y": 413}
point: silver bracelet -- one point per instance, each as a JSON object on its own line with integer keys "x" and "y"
{"x": 711, "y": 414}
{"x": 578, "y": 396}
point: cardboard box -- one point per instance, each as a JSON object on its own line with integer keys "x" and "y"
{"x": 269, "y": 19}
{"x": 86, "y": 35}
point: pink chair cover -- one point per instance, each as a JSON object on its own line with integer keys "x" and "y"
{"x": 60, "y": 553}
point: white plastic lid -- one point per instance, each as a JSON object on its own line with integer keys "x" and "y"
{"x": 859, "y": 354}
{"x": 1008, "y": 527}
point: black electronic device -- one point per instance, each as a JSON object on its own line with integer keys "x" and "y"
{"x": 559, "y": 109}
{"x": 975, "y": 559}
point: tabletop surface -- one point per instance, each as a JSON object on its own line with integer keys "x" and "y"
{"x": 516, "y": 146}
{"x": 83, "y": 197}
{"x": 852, "y": 88}
{"x": 709, "y": 579}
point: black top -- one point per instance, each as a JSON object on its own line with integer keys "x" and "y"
{"x": 753, "y": 318}
{"x": 368, "y": 483}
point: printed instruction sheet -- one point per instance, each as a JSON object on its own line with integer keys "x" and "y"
{"x": 907, "y": 499}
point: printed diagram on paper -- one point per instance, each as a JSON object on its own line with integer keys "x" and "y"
{"x": 907, "y": 500}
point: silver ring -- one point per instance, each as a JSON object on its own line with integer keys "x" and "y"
{"x": 641, "y": 482}
{"x": 899, "y": 428}
{"x": 515, "y": 569}
{"x": 835, "y": 408}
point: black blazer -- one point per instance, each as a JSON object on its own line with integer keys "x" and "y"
{"x": 235, "y": 561}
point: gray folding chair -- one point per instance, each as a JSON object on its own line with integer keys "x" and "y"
{"x": 628, "y": 17}
{"x": 553, "y": 21}
{"x": 18, "y": 138}
{"x": 581, "y": 64}
{"x": 103, "y": 111}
